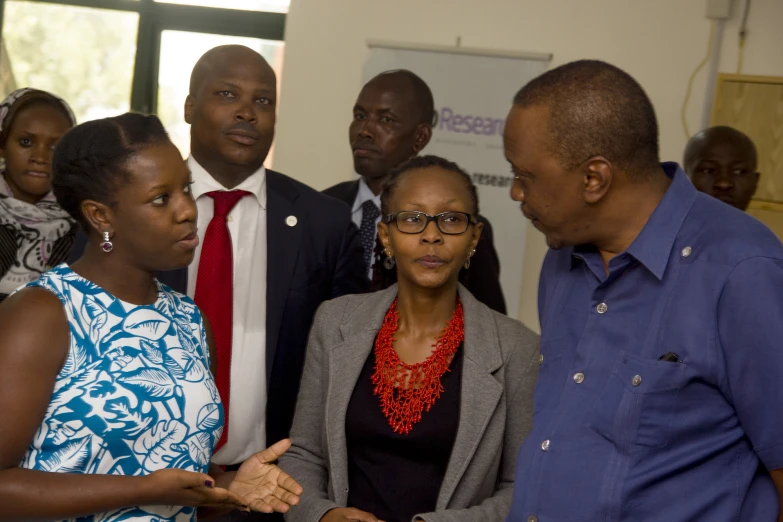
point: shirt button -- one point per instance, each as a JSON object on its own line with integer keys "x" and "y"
{"x": 686, "y": 251}
{"x": 545, "y": 445}
{"x": 637, "y": 380}
{"x": 532, "y": 518}
{"x": 579, "y": 377}
{"x": 229, "y": 219}
{"x": 541, "y": 359}
{"x": 601, "y": 308}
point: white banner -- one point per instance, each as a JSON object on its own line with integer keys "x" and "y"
{"x": 473, "y": 91}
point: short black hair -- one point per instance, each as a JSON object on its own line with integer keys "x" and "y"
{"x": 427, "y": 162}
{"x": 596, "y": 109}
{"x": 422, "y": 94}
{"x": 33, "y": 98}
{"x": 89, "y": 161}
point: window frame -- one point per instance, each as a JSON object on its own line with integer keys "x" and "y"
{"x": 156, "y": 17}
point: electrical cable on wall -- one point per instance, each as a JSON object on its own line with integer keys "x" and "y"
{"x": 692, "y": 78}
{"x": 743, "y": 34}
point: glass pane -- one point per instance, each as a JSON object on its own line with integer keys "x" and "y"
{"x": 82, "y": 54}
{"x": 274, "y": 6}
{"x": 179, "y": 52}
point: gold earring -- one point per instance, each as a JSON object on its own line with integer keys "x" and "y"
{"x": 467, "y": 261}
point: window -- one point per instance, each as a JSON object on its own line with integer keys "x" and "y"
{"x": 83, "y": 55}
{"x": 275, "y": 6}
{"x": 105, "y": 57}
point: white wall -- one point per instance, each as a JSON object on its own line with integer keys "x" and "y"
{"x": 659, "y": 42}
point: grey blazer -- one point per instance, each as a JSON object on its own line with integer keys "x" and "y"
{"x": 496, "y": 408}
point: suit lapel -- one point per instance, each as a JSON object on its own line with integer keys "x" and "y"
{"x": 354, "y": 190}
{"x": 480, "y": 391}
{"x": 176, "y": 279}
{"x": 346, "y": 361}
{"x": 282, "y": 250}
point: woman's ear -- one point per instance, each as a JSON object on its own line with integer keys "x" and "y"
{"x": 477, "y": 229}
{"x": 383, "y": 235}
{"x": 98, "y": 215}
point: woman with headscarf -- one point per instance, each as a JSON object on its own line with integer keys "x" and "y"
{"x": 35, "y": 233}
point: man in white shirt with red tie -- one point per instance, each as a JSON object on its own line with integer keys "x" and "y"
{"x": 272, "y": 249}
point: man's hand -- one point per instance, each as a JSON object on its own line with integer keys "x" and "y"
{"x": 264, "y": 486}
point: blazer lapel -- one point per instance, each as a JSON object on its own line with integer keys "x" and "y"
{"x": 283, "y": 237}
{"x": 346, "y": 361}
{"x": 480, "y": 391}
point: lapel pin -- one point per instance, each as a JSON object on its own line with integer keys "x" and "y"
{"x": 291, "y": 221}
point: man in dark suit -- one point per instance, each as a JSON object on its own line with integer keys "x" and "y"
{"x": 392, "y": 122}
{"x": 271, "y": 250}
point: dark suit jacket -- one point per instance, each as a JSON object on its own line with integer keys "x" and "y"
{"x": 483, "y": 277}
{"x": 318, "y": 259}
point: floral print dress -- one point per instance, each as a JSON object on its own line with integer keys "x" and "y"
{"x": 135, "y": 394}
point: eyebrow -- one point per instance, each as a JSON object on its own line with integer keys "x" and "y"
{"x": 450, "y": 201}
{"x": 157, "y": 188}
{"x": 231, "y": 85}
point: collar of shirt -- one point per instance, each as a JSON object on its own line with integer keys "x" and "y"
{"x": 364, "y": 194}
{"x": 654, "y": 243}
{"x": 203, "y": 182}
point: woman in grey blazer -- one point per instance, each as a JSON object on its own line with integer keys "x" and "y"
{"x": 399, "y": 419}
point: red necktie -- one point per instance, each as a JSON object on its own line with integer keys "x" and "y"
{"x": 215, "y": 291}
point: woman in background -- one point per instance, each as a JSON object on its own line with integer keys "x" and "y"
{"x": 414, "y": 399}
{"x": 35, "y": 233}
{"x": 109, "y": 409}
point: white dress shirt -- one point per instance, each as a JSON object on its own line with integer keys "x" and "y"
{"x": 247, "y": 226}
{"x": 364, "y": 194}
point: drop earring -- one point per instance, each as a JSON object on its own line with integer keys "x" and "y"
{"x": 389, "y": 262}
{"x": 107, "y": 245}
{"x": 467, "y": 261}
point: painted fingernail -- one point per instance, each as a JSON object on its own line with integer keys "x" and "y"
{"x": 209, "y": 484}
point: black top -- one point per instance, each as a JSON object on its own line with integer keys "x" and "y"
{"x": 396, "y": 476}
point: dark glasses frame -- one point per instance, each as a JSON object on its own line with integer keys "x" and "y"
{"x": 388, "y": 218}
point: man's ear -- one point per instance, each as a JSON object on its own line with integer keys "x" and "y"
{"x": 598, "y": 175}
{"x": 190, "y": 102}
{"x": 422, "y": 137}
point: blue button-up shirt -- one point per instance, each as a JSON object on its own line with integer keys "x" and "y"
{"x": 620, "y": 435}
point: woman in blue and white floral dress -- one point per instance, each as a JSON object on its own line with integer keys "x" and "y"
{"x": 109, "y": 409}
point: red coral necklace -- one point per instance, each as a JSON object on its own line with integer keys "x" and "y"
{"x": 407, "y": 390}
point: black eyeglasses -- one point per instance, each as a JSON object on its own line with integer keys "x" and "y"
{"x": 413, "y": 222}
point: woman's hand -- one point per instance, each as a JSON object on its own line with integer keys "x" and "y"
{"x": 349, "y": 515}
{"x": 177, "y": 487}
{"x": 264, "y": 486}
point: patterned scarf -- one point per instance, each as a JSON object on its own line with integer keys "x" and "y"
{"x": 29, "y": 234}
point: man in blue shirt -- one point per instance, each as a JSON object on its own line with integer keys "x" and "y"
{"x": 660, "y": 393}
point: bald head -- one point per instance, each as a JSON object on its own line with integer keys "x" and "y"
{"x": 412, "y": 90}
{"x": 214, "y": 62}
{"x": 719, "y": 137}
{"x": 596, "y": 109}
{"x": 722, "y": 162}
